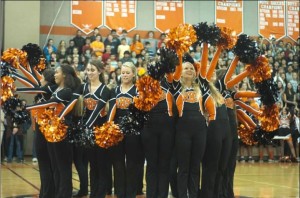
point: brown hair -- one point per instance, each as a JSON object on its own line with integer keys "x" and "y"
{"x": 100, "y": 66}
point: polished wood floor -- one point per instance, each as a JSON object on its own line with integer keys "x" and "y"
{"x": 264, "y": 180}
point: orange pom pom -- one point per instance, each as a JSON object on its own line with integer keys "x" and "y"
{"x": 149, "y": 93}
{"x": 52, "y": 127}
{"x": 269, "y": 119}
{"x": 246, "y": 135}
{"x": 7, "y": 87}
{"x": 228, "y": 38}
{"x": 108, "y": 135}
{"x": 14, "y": 57}
{"x": 181, "y": 38}
{"x": 260, "y": 70}
{"x": 42, "y": 65}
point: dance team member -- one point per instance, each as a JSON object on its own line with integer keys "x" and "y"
{"x": 61, "y": 152}
{"x": 158, "y": 142}
{"x": 95, "y": 96}
{"x": 47, "y": 80}
{"x": 127, "y": 156}
{"x": 190, "y": 129}
{"x": 218, "y": 143}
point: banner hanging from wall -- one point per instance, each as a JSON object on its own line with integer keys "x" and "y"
{"x": 120, "y": 15}
{"x": 271, "y": 19}
{"x": 86, "y": 15}
{"x": 168, "y": 14}
{"x": 292, "y": 12}
{"x": 229, "y": 14}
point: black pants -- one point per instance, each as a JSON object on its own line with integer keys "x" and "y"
{"x": 158, "y": 143}
{"x": 80, "y": 159}
{"x": 227, "y": 186}
{"x": 61, "y": 156}
{"x": 126, "y": 174}
{"x": 190, "y": 145}
{"x": 98, "y": 171}
{"x": 216, "y": 155}
{"x": 173, "y": 174}
{"x": 47, "y": 189}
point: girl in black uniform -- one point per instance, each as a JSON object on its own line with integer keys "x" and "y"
{"x": 125, "y": 171}
{"x": 190, "y": 130}
{"x": 218, "y": 143}
{"x": 46, "y": 171}
{"x": 95, "y": 96}
{"x": 158, "y": 141}
{"x": 61, "y": 152}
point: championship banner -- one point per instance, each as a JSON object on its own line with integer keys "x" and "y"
{"x": 292, "y": 9}
{"x": 120, "y": 15}
{"x": 168, "y": 14}
{"x": 229, "y": 14}
{"x": 86, "y": 15}
{"x": 271, "y": 19}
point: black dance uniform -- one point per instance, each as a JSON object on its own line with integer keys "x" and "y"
{"x": 94, "y": 115}
{"x": 126, "y": 172}
{"x": 227, "y": 184}
{"x": 191, "y": 131}
{"x": 47, "y": 189}
{"x": 158, "y": 141}
{"x": 218, "y": 144}
{"x": 60, "y": 152}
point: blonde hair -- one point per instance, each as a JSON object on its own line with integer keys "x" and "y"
{"x": 195, "y": 85}
{"x": 133, "y": 69}
{"x": 218, "y": 98}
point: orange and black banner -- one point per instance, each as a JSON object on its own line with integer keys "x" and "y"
{"x": 86, "y": 15}
{"x": 292, "y": 13}
{"x": 120, "y": 15}
{"x": 229, "y": 14}
{"x": 271, "y": 19}
{"x": 168, "y": 14}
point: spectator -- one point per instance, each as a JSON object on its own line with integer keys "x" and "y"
{"x": 95, "y": 33}
{"x": 48, "y": 49}
{"x": 98, "y": 46}
{"x": 136, "y": 45}
{"x": 79, "y": 41}
{"x": 152, "y": 46}
{"x": 87, "y": 45}
{"x": 70, "y": 48}
{"x": 124, "y": 35}
{"x": 122, "y": 48}
{"x": 126, "y": 57}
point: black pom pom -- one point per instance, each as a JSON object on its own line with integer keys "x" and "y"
{"x": 207, "y": 33}
{"x": 168, "y": 59}
{"x": 80, "y": 135}
{"x": 156, "y": 70}
{"x": 21, "y": 117}
{"x": 6, "y": 69}
{"x": 167, "y": 63}
{"x": 10, "y": 105}
{"x": 246, "y": 49}
{"x": 34, "y": 53}
{"x": 263, "y": 137}
{"x": 187, "y": 58}
{"x": 268, "y": 90}
{"x": 133, "y": 122}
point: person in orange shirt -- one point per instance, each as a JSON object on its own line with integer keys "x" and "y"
{"x": 136, "y": 46}
{"x": 98, "y": 46}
